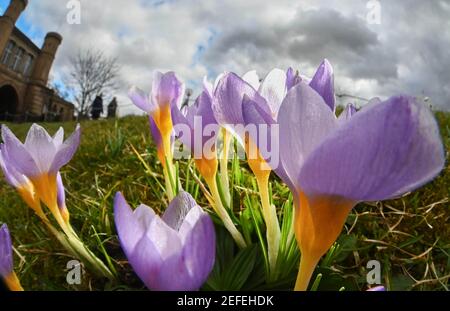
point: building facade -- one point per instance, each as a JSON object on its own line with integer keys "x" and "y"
{"x": 24, "y": 73}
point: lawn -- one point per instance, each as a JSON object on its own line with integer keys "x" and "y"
{"x": 409, "y": 236}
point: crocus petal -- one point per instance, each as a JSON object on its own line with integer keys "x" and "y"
{"x": 131, "y": 227}
{"x": 140, "y": 99}
{"x": 40, "y": 146}
{"x": 177, "y": 210}
{"x": 66, "y": 151}
{"x": 255, "y": 116}
{"x": 178, "y": 118}
{"x": 273, "y": 89}
{"x": 377, "y": 289}
{"x": 385, "y": 150}
{"x": 18, "y": 155}
{"x": 166, "y": 240}
{"x": 61, "y": 192}
{"x": 207, "y": 86}
{"x": 347, "y": 113}
{"x": 6, "y": 256}
{"x": 156, "y": 135}
{"x": 252, "y": 78}
{"x": 323, "y": 83}
{"x": 199, "y": 246}
{"x": 58, "y": 138}
{"x": 228, "y": 96}
{"x": 166, "y": 89}
{"x": 203, "y": 109}
{"x": 12, "y": 177}
{"x": 146, "y": 262}
{"x": 292, "y": 78}
{"x": 305, "y": 121}
{"x": 173, "y": 275}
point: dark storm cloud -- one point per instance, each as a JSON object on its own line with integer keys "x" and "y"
{"x": 409, "y": 52}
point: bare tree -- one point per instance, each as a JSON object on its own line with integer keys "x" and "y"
{"x": 93, "y": 73}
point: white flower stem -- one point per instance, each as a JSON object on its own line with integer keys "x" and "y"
{"x": 222, "y": 213}
{"x": 269, "y": 212}
{"x": 225, "y": 184}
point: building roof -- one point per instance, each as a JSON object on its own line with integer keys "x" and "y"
{"x": 18, "y": 33}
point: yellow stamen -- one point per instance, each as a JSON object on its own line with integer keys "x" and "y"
{"x": 318, "y": 223}
{"x": 13, "y": 283}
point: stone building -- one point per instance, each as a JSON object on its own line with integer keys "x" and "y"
{"x": 24, "y": 72}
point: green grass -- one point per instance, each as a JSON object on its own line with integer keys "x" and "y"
{"x": 410, "y": 236}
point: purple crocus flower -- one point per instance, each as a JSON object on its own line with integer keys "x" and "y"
{"x": 197, "y": 129}
{"x": 383, "y": 151}
{"x": 273, "y": 87}
{"x": 21, "y": 183}
{"x": 292, "y": 78}
{"x": 323, "y": 83}
{"x": 199, "y": 115}
{"x": 377, "y": 289}
{"x": 6, "y": 255}
{"x": 228, "y": 97}
{"x": 347, "y": 113}
{"x": 172, "y": 252}
{"x": 40, "y": 158}
{"x": 167, "y": 92}
{"x": 12, "y": 177}
{"x": 6, "y": 260}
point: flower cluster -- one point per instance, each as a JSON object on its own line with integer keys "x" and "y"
{"x": 285, "y": 123}
{"x": 329, "y": 163}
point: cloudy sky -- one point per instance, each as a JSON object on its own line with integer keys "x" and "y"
{"x": 407, "y": 52}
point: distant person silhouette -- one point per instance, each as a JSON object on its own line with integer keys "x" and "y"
{"x": 112, "y": 107}
{"x": 97, "y": 107}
